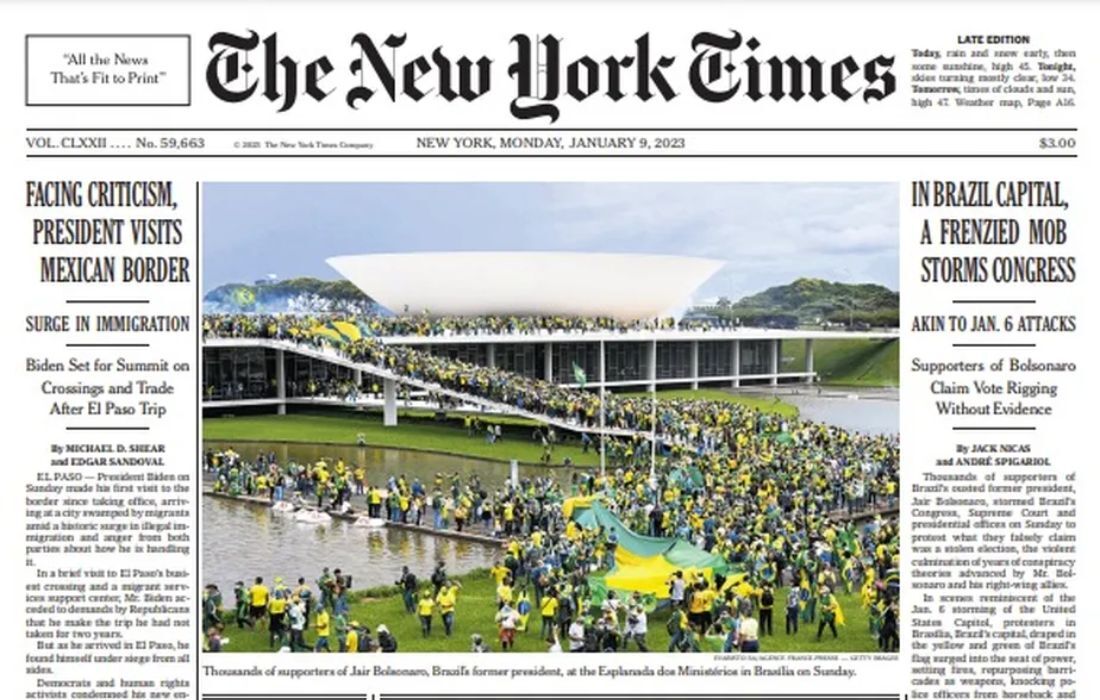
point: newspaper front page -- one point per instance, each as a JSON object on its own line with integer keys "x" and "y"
{"x": 440, "y": 350}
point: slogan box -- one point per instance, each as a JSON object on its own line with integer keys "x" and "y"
{"x": 108, "y": 70}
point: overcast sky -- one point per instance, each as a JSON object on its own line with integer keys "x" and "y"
{"x": 768, "y": 234}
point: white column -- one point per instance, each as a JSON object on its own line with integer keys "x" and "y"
{"x": 809, "y": 366}
{"x": 774, "y": 363}
{"x": 652, "y": 369}
{"x": 602, "y": 364}
{"x": 280, "y": 381}
{"x": 736, "y": 362}
{"x": 491, "y": 354}
{"x": 358, "y": 378}
{"x": 603, "y": 391}
{"x": 548, "y": 363}
{"x": 389, "y": 402}
{"x": 695, "y": 364}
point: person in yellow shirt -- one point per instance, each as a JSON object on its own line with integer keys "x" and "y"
{"x": 257, "y": 596}
{"x": 549, "y": 610}
{"x": 374, "y": 502}
{"x": 280, "y": 588}
{"x": 446, "y": 600}
{"x": 702, "y": 598}
{"x": 353, "y": 637}
{"x": 323, "y": 625}
{"x": 276, "y": 616}
{"x": 504, "y": 593}
{"x": 572, "y": 532}
{"x": 424, "y": 608}
{"x": 499, "y": 572}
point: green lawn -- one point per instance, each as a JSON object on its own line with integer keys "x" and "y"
{"x": 855, "y": 362}
{"x": 414, "y": 430}
{"x": 476, "y": 608}
{"x": 419, "y": 430}
{"x": 762, "y": 403}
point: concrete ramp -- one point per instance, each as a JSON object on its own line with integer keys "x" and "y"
{"x": 392, "y": 379}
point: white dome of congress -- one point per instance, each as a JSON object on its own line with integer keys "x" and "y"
{"x": 616, "y": 285}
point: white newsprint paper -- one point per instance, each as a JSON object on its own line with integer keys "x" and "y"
{"x": 380, "y": 350}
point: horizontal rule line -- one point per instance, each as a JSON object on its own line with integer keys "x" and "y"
{"x": 106, "y": 345}
{"x": 647, "y": 696}
{"x": 993, "y": 427}
{"x": 992, "y": 345}
{"x": 106, "y": 427}
{"x": 106, "y": 301}
{"x": 993, "y": 301}
{"x": 533, "y": 129}
{"x": 555, "y": 155}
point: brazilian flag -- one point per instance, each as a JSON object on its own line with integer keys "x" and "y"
{"x": 243, "y": 297}
{"x": 579, "y": 376}
{"x": 348, "y": 331}
{"x": 642, "y": 563}
{"x": 339, "y": 332}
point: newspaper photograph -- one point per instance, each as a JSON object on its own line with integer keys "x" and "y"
{"x": 608, "y": 538}
{"x": 492, "y": 340}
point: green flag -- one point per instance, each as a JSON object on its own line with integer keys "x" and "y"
{"x": 579, "y": 376}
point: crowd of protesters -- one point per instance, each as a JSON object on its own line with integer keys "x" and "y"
{"x": 286, "y": 612}
{"x": 294, "y": 326}
{"x": 771, "y": 495}
{"x": 543, "y": 586}
{"x": 702, "y": 423}
{"x": 780, "y": 519}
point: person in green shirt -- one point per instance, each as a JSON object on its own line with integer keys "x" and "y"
{"x": 211, "y": 607}
{"x": 676, "y": 626}
{"x": 767, "y": 604}
{"x": 305, "y": 595}
{"x": 241, "y": 606}
{"x": 829, "y": 606}
{"x": 340, "y": 628}
{"x": 325, "y": 584}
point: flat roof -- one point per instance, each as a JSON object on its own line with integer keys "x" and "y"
{"x": 623, "y": 286}
{"x": 669, "y": 335}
